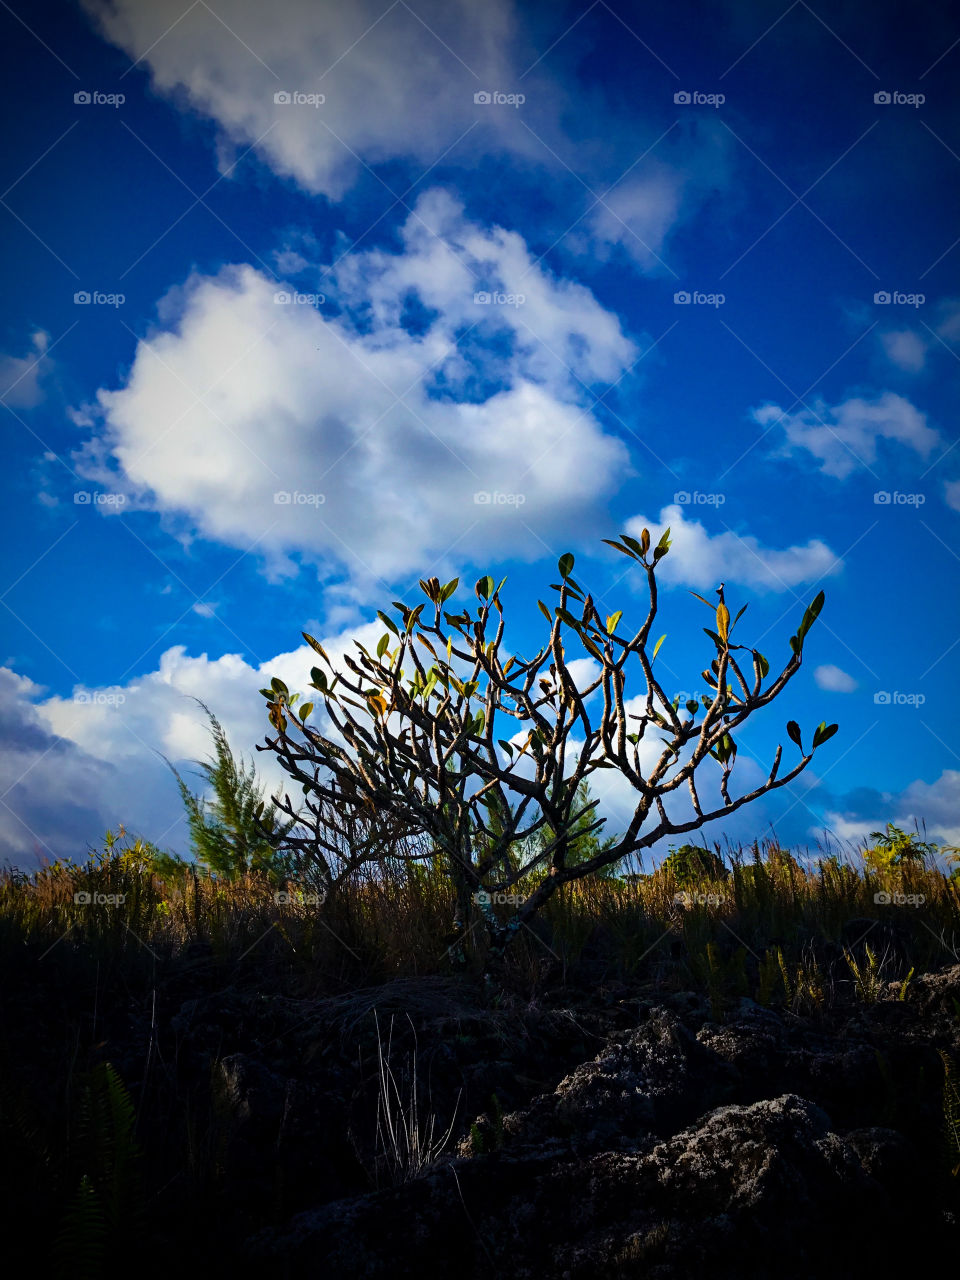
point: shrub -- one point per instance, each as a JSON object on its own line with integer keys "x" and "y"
{"x": 421, "y": 756}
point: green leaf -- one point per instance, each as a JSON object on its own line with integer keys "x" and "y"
{"x": 823, "y": 733}
{"x": 507, "y": 746}
{"x": 565, "y": 616}
{"x": 723, "y": 622}
{"x": 382, "y": 644}
{"x": 278, "y": 686}
{"x": 793, "y": 732}
{"x": 315, "y": 645}
{"x": 714, "y": 637}
{"x": 591, "y": 647}
{"x": 623, "y": 550}
{"x": 565, "y": 565}
{"x": 702, "y": 600}
{"x": 662, "y": 547}
{"x": 762, "y": 663}
{"x": 484, "y": 588}
{"x": 305, "y": 711}
{"x": 546, "y": 612}
{"x": 634, "y": 545}
{"x": 448, "y": 590}
{"x": 810, "y": 617}
{"x": 613, "y": 620}
{"x": 656, "y": 647}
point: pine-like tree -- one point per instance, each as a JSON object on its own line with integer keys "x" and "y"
{"x": 227, "y": 836}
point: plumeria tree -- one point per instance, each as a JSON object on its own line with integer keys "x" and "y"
{"x": 425, "y": 749}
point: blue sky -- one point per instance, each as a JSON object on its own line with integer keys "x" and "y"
{"x": 587, "y": 167}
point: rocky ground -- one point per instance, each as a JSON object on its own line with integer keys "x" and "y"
{"x": 607, "y": 1129}
{"x": 763, "y": 1145}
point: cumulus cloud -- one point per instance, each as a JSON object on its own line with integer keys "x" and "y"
{"x": 909, "y": 349}
{"x": 21, "y": 377}
{"x": 398, "y": 80}
{"x": 935, "y": 805}
{"x": 52, "y": 796}
{"x": 905, "y": 348}
{"x": 952, "y": 494}
{"x": 700, "y": 559}
{"x": 358, "y": 438}
{"x": 833, "y": 679}
{"x": 845, "y": 437}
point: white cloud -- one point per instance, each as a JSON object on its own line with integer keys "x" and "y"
{"x": 845, "y": 437}
{"x": 637, "y": 215}
{"x": 398, "y": 81}
{"x": 834, "y": 680}
{"x": 931, "y": 805}
{"x": 905, "y": 348}
{"x": 21, "y": 376}
{"x": 952, "y": 494}
{"x": 700, "y": 559}
{"x": 381, "y": 437}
